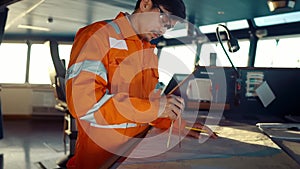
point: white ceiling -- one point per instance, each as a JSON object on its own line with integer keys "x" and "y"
{"x": 68, "y": 15}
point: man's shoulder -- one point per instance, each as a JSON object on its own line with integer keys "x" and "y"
{"x": 95, "y": 25}
{"x": 93, "y": 28}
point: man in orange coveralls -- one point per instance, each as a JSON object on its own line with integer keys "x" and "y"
{"x": 111, "y": 80}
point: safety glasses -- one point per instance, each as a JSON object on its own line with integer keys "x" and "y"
{"x": 164, "y": 17}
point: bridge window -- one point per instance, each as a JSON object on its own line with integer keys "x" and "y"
{"x": 281, "y": 52}
{"x": 277, "y": 19}
{"x": 13, "y": 58}
{"x": 233, "y": 25}
{"x": 239, "y": 58}
{"x": 64, "y": 52}
{"x": 40, "y": 64}
{"x": 176, "y": 59}
{"x": 13, "y": 63}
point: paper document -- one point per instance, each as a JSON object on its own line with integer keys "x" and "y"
{"x": 265, "y": 94}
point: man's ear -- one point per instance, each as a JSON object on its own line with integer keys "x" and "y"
{"x": 146, "y": 5}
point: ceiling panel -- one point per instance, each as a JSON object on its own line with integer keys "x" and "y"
{"x": 70, "y": 15}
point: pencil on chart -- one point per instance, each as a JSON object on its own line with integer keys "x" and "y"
{"x": 199, "y": 130}
{"x": 170, "y": 133}
{"x": 179, "y": 134}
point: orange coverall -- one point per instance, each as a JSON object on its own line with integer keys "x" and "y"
{"x": 111, "y": 77}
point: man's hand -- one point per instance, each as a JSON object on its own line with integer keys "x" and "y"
{"x": 173, "y": 107}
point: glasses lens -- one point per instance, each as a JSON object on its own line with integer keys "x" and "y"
{"x": 165, "y": 20}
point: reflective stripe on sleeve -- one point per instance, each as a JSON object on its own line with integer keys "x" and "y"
{"x": 92, "y": 66}
{"x": 118, "y": 126}
{"x": 89, "y": 116}
{"x": 115, "y": 126}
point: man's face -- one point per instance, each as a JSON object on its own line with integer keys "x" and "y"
{"x": 154, "y": 23}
